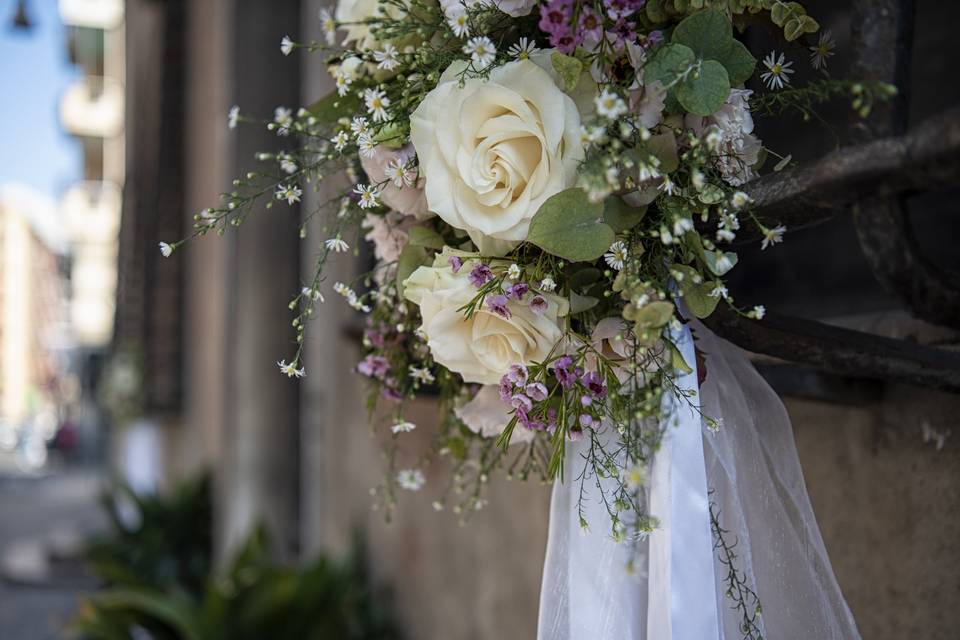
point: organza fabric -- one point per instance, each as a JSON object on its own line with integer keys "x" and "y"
{"x": 754, "y": 474}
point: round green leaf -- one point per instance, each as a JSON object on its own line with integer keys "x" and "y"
{"x": 738, "y": 62}
{"x": 705, "y": 92}
{"x": 568, "y": 68}
{"x": 669, "y": 63}
{"x": 621, "y": 216}
{"x": 425, "y": 237}
{"x": 708, "y": 33}
{"x": 571, "y": 227}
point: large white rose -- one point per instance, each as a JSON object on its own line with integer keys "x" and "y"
{"x": 480, "y": 348}
{"x": 493, "y": 150}
{"x": 515, "y": 8}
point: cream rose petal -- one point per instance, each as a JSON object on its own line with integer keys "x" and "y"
{"x": 491, "y": 152}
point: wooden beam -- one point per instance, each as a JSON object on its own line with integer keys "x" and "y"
{"x": 840, "y": 351}
{"x": 927, "y": 158}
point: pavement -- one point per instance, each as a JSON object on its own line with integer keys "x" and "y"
{"x": 44, "y": 517}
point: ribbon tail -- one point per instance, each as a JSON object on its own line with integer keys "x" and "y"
{"x": 682, "y": 601}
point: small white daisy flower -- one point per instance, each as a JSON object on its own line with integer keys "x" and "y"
{"x": 337, "y": 245}
{"x": 823, "y": 50}
{"x": 343, "y": 84}
{"x": 377, "y": 102}
{"x": 617, "y": 255}
{"x": 343, "y": 290}
{"x": 522, "y": 49}
{"x": 290, "y": 370}
{"x": 411, "y": 479}
{"x": 166, "y": 249}
{"x": 457, "y": 20}
{"x": 547, "y": 285}
{"x": 514, "y": 271}
{"x": 719, "y": 291}
{"x": 340, "y": 140}
{"x": 359, "y": 126}
{"x": 758, "y": 312}
{"x": 773, "y": 236}
{"x": 399, "y": 173}
{"x": 312, "y": 294}
{"x": 287, "y": 165}
{"x": 421, "y": 374}
{"x": 403, "y": 427}
{"x": 233, "y": 117}
{"x": 777, "y": 75}
{"x": 740, "y": 199}
{"x": 681, "y": 225}
{"x": 286, "y": 45}
{"x": 329, "y": 26}
{"x": 283, "y": 118}
{"x": 366, "y": 146}
{"x": 368, "y": 196}
{"x": 289, "y": 192}
{"x": 610, "y": 105}
{"x": 481, "y": 51}
{"x": 387, "y": 58}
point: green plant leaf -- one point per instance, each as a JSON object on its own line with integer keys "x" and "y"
{"x": 705, "y": 92}
{"x": 713, "y": 257}
{"x": 579, "y": 303}
{"x": 571, "y": 227}
{"x": 621, "y": 216}
{"x": 411, "y": 258}
{"x": 708, "y": 33}
{"x": 669, "y": 63}
{"x": 696, "y": 295}
{"x": 568, "y": 68}
{"x": 425, "y": 237}
{"x": 654, "y": 315}
{"x": 738, "y": 61}
{"x": 332, "y": 107}
{"x": 676, "y": 358}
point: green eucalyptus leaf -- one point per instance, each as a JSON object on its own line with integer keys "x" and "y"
{"x": 707, "y": 33}
{"x": 738, "y": 62}
{"x": 584, "y": 278}
{"x": 571, "y": 227}
{"x": 579, "y": 303}
{"x": 411, "y": 258}
{"x": 425, "y": 237}
{"x": 621, "y": 216}
{"x": 664, "y": 147}
{"x": 720, "y": 262}
{"x": 696, "y": 293}
{"x": 654, "y": 315}
{"x": 668, "y": 63}
{"x": 705, "y": 92}
{"x": 568, "y": 68}
{"x": 676, "y": 358}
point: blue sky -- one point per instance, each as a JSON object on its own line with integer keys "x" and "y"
{"x": 34, "y": 71}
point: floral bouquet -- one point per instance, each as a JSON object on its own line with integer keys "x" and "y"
{"x": 551, "y": 189}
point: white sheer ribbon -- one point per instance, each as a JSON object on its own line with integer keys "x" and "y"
{"x": 681, "y": 548}
{"x": 751, "y": 464}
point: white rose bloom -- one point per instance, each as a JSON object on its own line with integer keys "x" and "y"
{"x": 515, "y": 8}
{"x": 480, "y": 348}
{"x": 739, "y": 149}
{"x": 494, "y": 150}
{"x": 487, "y": 415}
{"x": 408, "y": 200}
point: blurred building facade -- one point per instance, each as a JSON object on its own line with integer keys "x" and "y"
{"x": 35, "y": 336}
{"x": 92, "y": 110}
{"x": 212, "y": 320}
